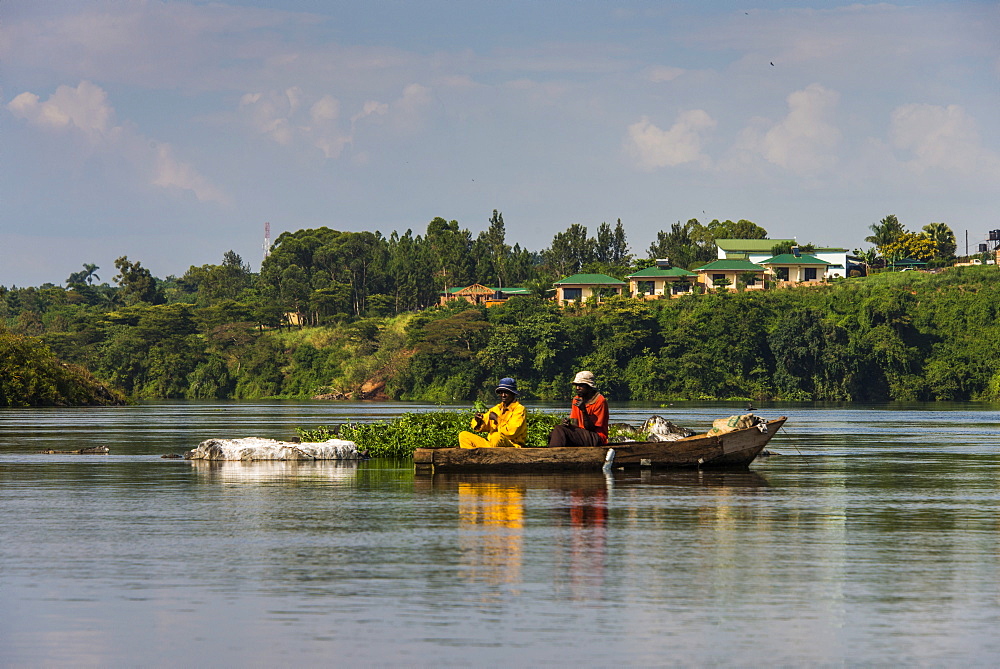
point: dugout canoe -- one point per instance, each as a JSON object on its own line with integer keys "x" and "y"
{"x": 735, "y": 450}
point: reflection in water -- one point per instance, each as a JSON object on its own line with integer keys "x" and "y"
{"x": 874, "y": 540}
{"x": 696, "y": 478}
{"x": 275, "y": 470}
{"x": 584, "y": 551}
{"x": 491, "y": 524}
{"x": 492, "y": 519}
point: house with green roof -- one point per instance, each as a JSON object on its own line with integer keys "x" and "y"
{"x": 907, "y": 263}
{"x": 796, "y": 268}
{"x": 582, "y": 287}
{"x": 661, "y": 281}
{"x": 730, "y": 273}
{"x": 480, "y": 294}
{"x": 839, "y": 262}
{"x": 753, "y": 250}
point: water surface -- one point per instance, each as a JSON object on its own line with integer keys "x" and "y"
{"x": 873, "y": 538}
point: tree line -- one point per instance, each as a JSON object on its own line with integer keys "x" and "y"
{"x": 221, "y": 331}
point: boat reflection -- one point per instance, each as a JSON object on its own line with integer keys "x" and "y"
{"x": 275, "y": 470}
{"x": 694, "y": 478}
{"x": 492, "y": 520}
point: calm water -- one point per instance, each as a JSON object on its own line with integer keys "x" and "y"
{"x": 874, "y": 538}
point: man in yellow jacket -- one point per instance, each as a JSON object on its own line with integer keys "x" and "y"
{"x": 506, "y": 423}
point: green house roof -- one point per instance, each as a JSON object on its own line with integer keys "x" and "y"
{"x": 730, "y": 265}
{"x": 750, "y": 245}
{"x": 789, "y": 259}
{"x": 590, "y": 280}
{"x": 653, "y": 272}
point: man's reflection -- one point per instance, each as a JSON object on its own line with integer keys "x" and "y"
{"x": 585, "y": 547}
{"x": 491, "y": 522}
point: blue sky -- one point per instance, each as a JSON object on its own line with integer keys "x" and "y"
{"x": 170, "y": 132}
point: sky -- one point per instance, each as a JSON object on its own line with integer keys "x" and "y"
{"x": 171, "y": 132}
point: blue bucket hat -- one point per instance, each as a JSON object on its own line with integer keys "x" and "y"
{"x": 507, "y": 384}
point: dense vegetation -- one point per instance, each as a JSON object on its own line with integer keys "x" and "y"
{"x": 894, "y": 336}
{"x": 364, "y": 325}
{"x": 31, "y": 376}
{"x": 432, "y": 429}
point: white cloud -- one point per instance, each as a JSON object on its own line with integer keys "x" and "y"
{"x": 282, "y": 116}
{"x": 168, "y": 172}
{"x": 371, "y": 108}
{"x": 415, "y": 98}
{"x": 805, "y": 141}
{"x": 660, "y": 73}
{"x": 653, "y": 147}
{"x": 148, "y": 43}
{"x": 941, "y": 138}
{"x": 270, "y": 113}
{"x": 326, "y": 109}
{"x": 85, "y": 110}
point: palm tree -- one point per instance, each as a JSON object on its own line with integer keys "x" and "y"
{"x": 87, "y": 276}
{"x": 943, "y": 237}
{"x": 885, "y": 231}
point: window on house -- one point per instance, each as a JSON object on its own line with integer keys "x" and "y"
{"x": 647, "y": 287}
{"x": 572, "y": 294}
{"x": 782, "y": 273}
{"x": 810, "y": 273}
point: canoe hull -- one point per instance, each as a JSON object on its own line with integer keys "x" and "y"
{"x": 735, "y": 449}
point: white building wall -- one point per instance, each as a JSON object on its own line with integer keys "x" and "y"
{"x": 839, "y": 258}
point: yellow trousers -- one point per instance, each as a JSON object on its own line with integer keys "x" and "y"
{"x": 495, "y": 440}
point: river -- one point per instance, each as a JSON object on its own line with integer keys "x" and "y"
{"x": 872, "y": 537}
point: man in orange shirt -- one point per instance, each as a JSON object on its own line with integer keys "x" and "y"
{"x": 588, "y": 419}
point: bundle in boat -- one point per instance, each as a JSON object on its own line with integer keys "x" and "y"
{"x": 256, "y": 448}
{"x": 733, "y": 423}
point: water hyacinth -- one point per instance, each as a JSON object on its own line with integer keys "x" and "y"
{"x": 435, "y": 429}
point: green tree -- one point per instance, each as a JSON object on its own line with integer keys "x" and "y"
{"x": 570, "y": 251}
{"x": 449, "y": 252}
{"x": 885, "y": 232}
{"x": 492, "y": 253}
{"x": 943, "y": 238}
{"x": 411, "y": 271}
{"x": 136, "y": 282}
{"x": 611, "y": 247}
{"x": 741, "y": 229}
{"x": 911, "y": 245}
{"x": 686, "y": 245}
{"x": 31, "y": 376}
{"x": 84, "y": 277}
{"x": 294, "y": 291}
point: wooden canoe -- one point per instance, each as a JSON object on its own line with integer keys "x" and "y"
{"x": 735, "y": 449}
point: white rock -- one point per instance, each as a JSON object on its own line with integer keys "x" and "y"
{"x": 256, "y": 448}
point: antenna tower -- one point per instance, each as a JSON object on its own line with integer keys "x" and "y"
{"x": 267, "y": 240}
